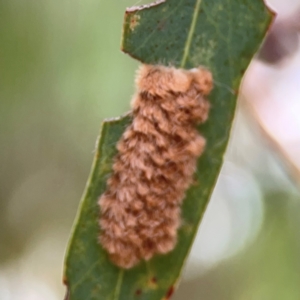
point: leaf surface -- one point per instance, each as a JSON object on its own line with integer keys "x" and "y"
{"x": 222, "y": 35}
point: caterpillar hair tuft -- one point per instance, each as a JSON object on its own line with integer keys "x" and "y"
{"x": 156, "y": 160}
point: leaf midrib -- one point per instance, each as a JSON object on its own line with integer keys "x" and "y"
{"x": 118, "y": 285}
{"x": 188, "y": 42}
{"x": 186, "y": 52}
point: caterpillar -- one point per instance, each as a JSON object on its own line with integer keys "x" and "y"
{"x": 155, "y": 163}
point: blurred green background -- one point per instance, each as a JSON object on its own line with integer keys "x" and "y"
{"x": 61, "y": 74}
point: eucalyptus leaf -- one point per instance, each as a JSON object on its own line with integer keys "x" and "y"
{"x": 222, "y": 35}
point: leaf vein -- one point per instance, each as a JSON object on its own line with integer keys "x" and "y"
{"x": 118, "y": 285}
{"x": 85, "y": 275}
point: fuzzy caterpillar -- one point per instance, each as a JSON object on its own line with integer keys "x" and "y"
{"x": 156, "y": 160}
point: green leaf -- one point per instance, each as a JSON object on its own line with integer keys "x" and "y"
{"x": 222, "y": 35}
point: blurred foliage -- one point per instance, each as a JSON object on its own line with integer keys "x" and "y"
{"x": 57, "y": 79}
{"x": 268, "y": 269}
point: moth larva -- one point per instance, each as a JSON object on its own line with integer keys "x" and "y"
{"x": 157, "y": 156}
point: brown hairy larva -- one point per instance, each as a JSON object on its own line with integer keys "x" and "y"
{"x": 156, "y": 160}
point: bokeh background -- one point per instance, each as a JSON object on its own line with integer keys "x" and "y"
{"x": 62, "y": 73}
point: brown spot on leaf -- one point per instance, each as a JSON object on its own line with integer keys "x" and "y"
{"x": 65, "y": 280}
{"x": 138, "y": 292}
{"x": 134, "y": 21}
{"x": 153, "y": 282}
{"x": 195, "y": 182}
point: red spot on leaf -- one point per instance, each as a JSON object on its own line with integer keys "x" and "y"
{"x": 170, "y": 292}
